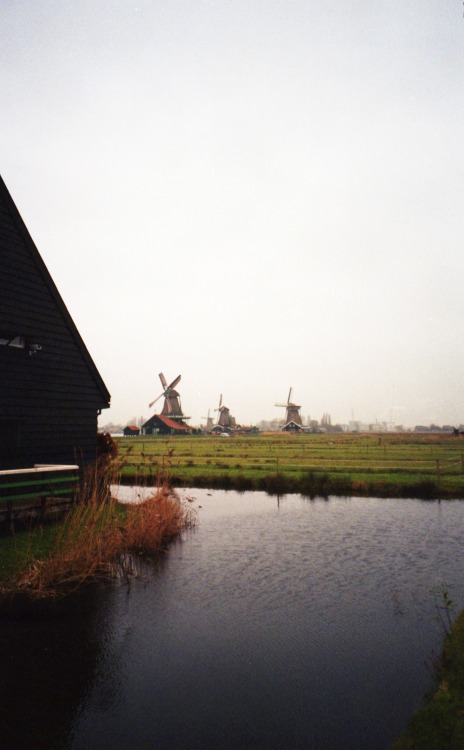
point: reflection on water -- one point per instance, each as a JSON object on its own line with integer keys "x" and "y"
{"x": 291, "y": 624}
{"x": 49, "y": 655}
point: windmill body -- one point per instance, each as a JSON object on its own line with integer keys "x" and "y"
{"x": 172, "y": 406}
{"x": 209, "y": 422}
{"x": 292, "y": 414}
{"x": 225, "y": 420}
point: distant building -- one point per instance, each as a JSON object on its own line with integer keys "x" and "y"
{"x": 292, "y": 426}
{"x": 158, "y": 424}
{"x": 131, "y": 430}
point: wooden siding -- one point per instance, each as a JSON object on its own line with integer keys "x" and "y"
{"x": 51, "y": 437}
{"x": 49, "y": 400}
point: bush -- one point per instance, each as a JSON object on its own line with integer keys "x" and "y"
{"x": 107, "y": 448}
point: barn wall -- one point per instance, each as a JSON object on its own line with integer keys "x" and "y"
{"x": 52, "y": 437}
{"x": 48, "y": 401}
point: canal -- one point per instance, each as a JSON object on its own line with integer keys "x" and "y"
{"x": 274, "y": 623}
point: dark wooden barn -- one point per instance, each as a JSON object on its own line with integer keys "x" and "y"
{"x": 292, "y": 426}
{"x": 131, "y": 430}
{"x": 51, "y": 391}
{"x": 158, "y": 424}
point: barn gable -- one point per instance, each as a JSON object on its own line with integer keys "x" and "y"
{"x": 51, "y": 389}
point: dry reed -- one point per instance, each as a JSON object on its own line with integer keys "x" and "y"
{"x": 154, "y": 523}
{"x": 95, "y": 539}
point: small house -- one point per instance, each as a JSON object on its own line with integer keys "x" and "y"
{"x": 131, "y": 430}
{"x": 292, "y": 426}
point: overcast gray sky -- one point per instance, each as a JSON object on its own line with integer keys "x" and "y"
{"x": 256, "y": 195}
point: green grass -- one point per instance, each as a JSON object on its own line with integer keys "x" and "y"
{"x": 17, "y": 551}
{"x": 439, "y": 724}
{"x": 406, "y": 464}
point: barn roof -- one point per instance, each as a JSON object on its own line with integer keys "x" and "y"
{"x": 167, "y": 422}
{"x": 47, "y": 280}
{"x": 292, "y": 424}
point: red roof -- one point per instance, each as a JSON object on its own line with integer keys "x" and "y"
{"x": 172, "y": 424}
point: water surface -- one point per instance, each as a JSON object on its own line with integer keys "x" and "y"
{"x": 283, "y": 623}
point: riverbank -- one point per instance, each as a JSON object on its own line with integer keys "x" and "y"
{"x": 98, "y": 539}
{"x": 439, "y": 724}
{"x": 381, "y": 465}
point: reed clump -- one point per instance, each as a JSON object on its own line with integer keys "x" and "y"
{"x": 149, "y": 527}
{"x": 96, "y": 540}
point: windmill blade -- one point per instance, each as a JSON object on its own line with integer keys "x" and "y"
{"x": 164, "y": 382}
{"x": 289, "y": 395}
{"x": 168, "y": 405}
{"x": 174, "y": 383}
{"x": 281, "y": 405}
{"x": 156, "y": 399}
{"x": 220, "y": 400}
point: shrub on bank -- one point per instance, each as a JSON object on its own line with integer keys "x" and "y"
{"x": 92, "y": 542}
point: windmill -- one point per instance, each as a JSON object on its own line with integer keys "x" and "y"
{"x": 225, "y": 419}
{"x": 209, "y": 422}
{"x": 292, "y": 414}
{"x": 171, "y": 406}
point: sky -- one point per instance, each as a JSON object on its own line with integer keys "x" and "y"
{"x": 253, "y": 194}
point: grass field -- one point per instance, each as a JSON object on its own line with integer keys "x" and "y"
{"x": 403, "y": 464}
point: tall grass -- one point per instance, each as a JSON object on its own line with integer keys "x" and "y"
{"x": 95, "y": 540}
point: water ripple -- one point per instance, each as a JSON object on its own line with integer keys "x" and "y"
{"x": 283, "y": 623}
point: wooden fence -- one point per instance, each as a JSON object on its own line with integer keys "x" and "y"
{"x": 32, "y": 493}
